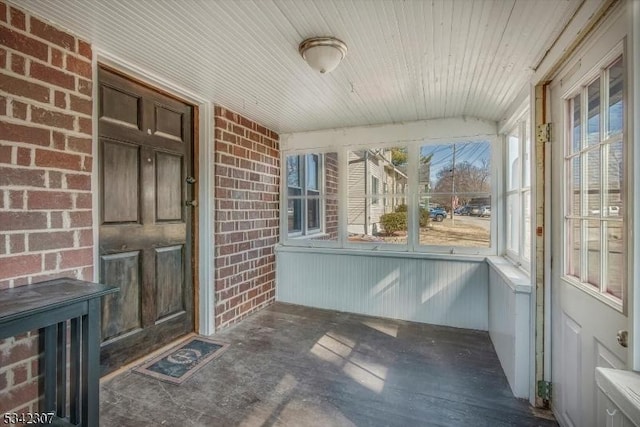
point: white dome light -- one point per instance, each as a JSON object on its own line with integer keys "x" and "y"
{"x": 323, "y": 54}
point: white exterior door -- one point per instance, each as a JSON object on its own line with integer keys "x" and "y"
{"x": 589, "y": 230}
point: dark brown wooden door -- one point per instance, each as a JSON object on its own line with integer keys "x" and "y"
{"x": 145, "y": 156}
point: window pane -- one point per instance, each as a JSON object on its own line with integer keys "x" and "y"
{"x": 312, "y": 171}
{"x": 526, "y": 161}
{"x": 573, "y": 188}
{"x": 513, "y": 165}
{"x": 294, "y": 216}
{"x": 593, "y": 247}
{"x": 313, "y": 214}
{"x": 527, "y": 225}
{"x": 455, "y": 177}
{"x": 374, "y": 190}
{"x": 616, "y": 87}
{"x": 613, "y": 186}
{"x": 592, "y": 187}
{"x": 615, "y": 261}
{"x": 385, "y": 222}
{"x": 375, "y": 166}
{"x": 576, "y": 124}
{"x": 513, "y": 214}
{"x": 293, "y": 171}
{"x": 593, "y": 123}
{"x": 573, "y": 245}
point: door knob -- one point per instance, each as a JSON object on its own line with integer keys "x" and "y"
{"x": 191, "y": 180}
{"x": 191, "y": 203}
{"x": 623, "y": 338}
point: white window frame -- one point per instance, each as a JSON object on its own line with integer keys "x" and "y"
{"x": 522, "y": 131}
{"x": 581, "y": 88}
{"x": 305, "y": 231}
{"x": 409, "y": 193}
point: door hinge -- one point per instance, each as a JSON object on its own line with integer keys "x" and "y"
{"x": 544, "y": 390}
{"x": 543, "y": 133}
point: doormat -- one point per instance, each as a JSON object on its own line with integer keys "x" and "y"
{"x": 179, "y": 363}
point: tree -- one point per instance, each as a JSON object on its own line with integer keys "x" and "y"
{"x": 398, "y": 156}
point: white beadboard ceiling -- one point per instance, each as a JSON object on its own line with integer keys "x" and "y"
{"x": 408, "y": 60}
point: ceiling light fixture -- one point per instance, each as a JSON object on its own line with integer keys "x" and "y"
{"x": 323, "y": 54}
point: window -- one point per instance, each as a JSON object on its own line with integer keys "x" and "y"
{"x": 594, "y": 225}
{"x": 454, "y": 191}
{"x": 312, "y": 187}
{"x": 518, "y": 194}
{"x": 368, "y": 220}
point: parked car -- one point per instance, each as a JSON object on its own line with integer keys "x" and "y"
{"x": 475, "y": 210}
{"x": 485, "y": 211}
{"x": 437, "y": 214}
{"x": 462, "y": 210}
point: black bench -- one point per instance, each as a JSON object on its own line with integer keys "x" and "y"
{"x": 49, "y": 306}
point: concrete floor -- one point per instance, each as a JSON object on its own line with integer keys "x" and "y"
{"x": 295, "y": 366}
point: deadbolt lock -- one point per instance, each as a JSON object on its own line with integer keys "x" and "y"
{"x": 191, "y": 180}
{"x": 623, "y": 338}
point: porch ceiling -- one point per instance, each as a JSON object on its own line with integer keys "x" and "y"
{"x": 407, "y": 60}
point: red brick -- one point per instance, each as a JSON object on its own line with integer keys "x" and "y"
{"x": 52, "y": 75}
{"x": 3, "y": 375}
{"x": 81, "y": 219}
{"x": 16, "y": 396}
{"x": 81, "y": 105}
{"x": 23, "y": 88}
{"x": 20, "y": 374}
{"x": 51, "y": 261}
{"x": 80, "y": 145}
{"x": 76, "y": 258}
{"x": 49, "y": 200}
{"x": 56, "y": 159}
{"x": 87, "y": 164}
{"x": 3, "y": 15}
{"x": 83, "y": 201}
{"x": 3, "y": 104}
{"x": 84, "y": 49}
{"x": 79, "y": 182}
{"x": 10, "y": 221}
{"x": 52, "y": 34}
{"x": 18, "y": 64}
{"x": 21, "y": 43}
{"x": 16, "y": 199}
{"x": 51, "y": 118}
{"x": 85, "y": 125}
{"x": 21, "y": 177}
{"x": 16, "y": 266}
{"x": 19, "y": 110}
{"x": 56, "y": 220}
{"x": 60, "y": 100}
{"x": 85, "y": 87}
{"x": 57, "y": 140}
{"x": 18, "y": 19}
{"x": 85, "y": 237}
{"x": 79, "y": 66}
{"x": 57, "y": 58}
{"x": 55, "y": 179}
{"x": 50, "y": 240}
{"x": 16, "y": 243}
{"x": 3, "y": 58}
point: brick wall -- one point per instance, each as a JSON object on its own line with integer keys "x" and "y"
{"x": 247, "y": 176}
{"x": 45, "y": 175}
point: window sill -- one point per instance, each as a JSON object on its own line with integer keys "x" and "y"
{"x": 306, "y": 236}
{"x": 515, "y": 277}
{"x": 380, "y": 253}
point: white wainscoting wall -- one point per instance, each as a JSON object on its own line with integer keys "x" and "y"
{"x": 421, "y": 288}
{"x": 509, "y": 321}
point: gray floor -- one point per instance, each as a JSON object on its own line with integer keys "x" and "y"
{"x": 295, "y": 366}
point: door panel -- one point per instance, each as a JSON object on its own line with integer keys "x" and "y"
{"x": 146, "y": 229}
{"x": 586, "y": 281}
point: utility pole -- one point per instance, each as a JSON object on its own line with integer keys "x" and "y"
{"x": 453, "y": 183}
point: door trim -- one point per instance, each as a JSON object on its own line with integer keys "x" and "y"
{"x": 203, "y": 243}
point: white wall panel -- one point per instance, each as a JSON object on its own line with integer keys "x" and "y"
{"x": 509, "y": 322}
{"x": 436, "y": 291}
